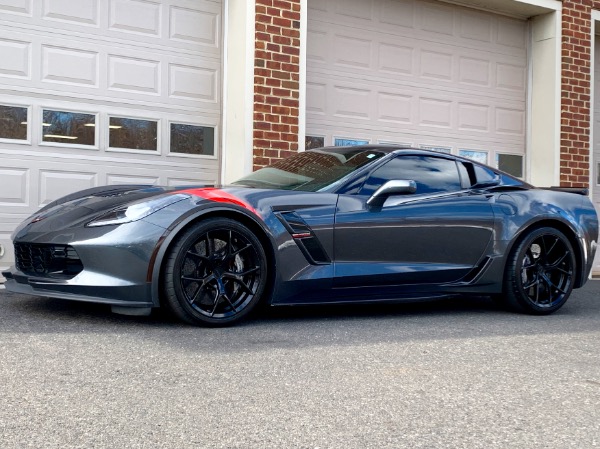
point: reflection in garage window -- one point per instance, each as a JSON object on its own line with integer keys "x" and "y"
{"x": 192, "y": 139}
{"x": 437, "y": 148}
{"x": 474, "y": 155}
{"x": 69, "y": 127}
{"x": 311, "y": 142}
{"x": 13, "y": 123}
{"x": 511, "y": 164}
{"x": 349, "y": 142}
{"x": 133, "y": 134}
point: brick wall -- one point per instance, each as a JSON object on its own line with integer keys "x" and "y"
{"x": 576, "y": 92}
{"x": 276, "y": 80}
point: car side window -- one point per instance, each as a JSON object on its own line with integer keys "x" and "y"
{"x": 432, "y": 174}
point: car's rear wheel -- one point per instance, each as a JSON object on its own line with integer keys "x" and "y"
{"x": 215, "y": 273}
{"x": 540, "y": 272}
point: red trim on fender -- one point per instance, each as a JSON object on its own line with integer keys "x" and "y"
{"x": 220, "y": 196}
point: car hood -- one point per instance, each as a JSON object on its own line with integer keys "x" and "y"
{"x": 80, "y": 208}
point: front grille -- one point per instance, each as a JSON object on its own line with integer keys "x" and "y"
{"x": 56, "y": 261}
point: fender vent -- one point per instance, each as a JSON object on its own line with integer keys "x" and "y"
{"x": 304, "y": 238}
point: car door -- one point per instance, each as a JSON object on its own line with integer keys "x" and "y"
{"x": 435, "y": 235}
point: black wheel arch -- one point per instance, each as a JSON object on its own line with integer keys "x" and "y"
{"x": 189, "y": 220}
{"x": 569, "y": 232}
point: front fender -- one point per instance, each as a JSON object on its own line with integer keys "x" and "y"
{"x": 183, "y": 222}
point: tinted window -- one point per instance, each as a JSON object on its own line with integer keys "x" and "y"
{"x": 311, "y": 170}
{"x": 484, "y": 174}
{"x": 431, "y": 174}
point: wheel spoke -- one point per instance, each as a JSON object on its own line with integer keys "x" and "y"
{"x": 562, "y": 270}
{"x": 244, "y": 273}
{"x": 195, "y": 254}
{"x": 531, "y": 284}
{"x": 559, "y": 261}
{"x": 550, "y": 284}
{"x": 215, "y": 304}
{"x": 238, "y": 280}
{"x": 552, "y": 247}
{"x": 237, "y": 251}
{"x": 202, "y": 282}
{"x": 209, "y": 245}
{"x": 229, "y": 302}
{"x": 228, "y": 245}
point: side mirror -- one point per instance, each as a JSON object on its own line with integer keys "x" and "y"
{"x": 395, "y": 187}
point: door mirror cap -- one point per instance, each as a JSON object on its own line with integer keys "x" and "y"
{"x": 394, "y": 187}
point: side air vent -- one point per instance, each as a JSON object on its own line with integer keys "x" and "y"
{"x": 304, "y": 237}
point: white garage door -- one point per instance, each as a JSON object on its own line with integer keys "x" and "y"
{"x": 97, "y": 92}
{"x": 417, "y": 72}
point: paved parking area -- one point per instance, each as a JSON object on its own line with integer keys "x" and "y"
{"x": 457, "y": 374}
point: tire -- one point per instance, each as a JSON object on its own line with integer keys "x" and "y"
{"x": 540, "y": 272}
{"x": 215, "y": 274}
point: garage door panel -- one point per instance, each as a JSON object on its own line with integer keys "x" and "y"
{"x": 114, "y": 179}
{"x": 14, "y": 186}
{"x": 192, "y": 26}
{"x": 419, "y": 72}
{"x": 384, "y": 58}
{"x": 16, "y": 56}
{"x": 413, "y": 108}
{"x": 123, "y": 74}
{"x": 84, "y": 12}
{"x": 55, "y": 184}
{"x": 426, "y": 21}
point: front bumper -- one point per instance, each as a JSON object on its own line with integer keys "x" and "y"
{"x": 115, "y": 259}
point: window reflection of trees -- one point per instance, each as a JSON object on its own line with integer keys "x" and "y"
{"x": 133, "y": 134}
{"x": 311, "y": 142}
{"x": 13, "y": 123}
{"x": 191, "y": 139}
{"x": 69, "y": 127}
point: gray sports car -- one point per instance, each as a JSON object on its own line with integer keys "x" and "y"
{"x": 348, "y": 224}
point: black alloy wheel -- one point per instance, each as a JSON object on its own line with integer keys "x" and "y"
{"x": 215, "y": 274}
{"x": 540, "y": 272}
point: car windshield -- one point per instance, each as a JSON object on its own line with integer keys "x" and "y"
{"x": 311, "y": 170}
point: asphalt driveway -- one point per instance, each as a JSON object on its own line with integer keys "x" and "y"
{"x": 456, "y": 374}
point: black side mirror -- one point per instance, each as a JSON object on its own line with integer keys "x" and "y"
{"x": 394, "y": 187}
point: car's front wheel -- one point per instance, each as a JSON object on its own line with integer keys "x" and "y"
{"x": 215, "y": 273}
{"x": 540, "y": 272}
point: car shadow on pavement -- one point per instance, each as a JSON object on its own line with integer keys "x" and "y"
{"x": 457, "y": 317}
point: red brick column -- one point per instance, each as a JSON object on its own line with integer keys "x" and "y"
{"x": 576, "y": 93}
{"x": 276, "y": 80}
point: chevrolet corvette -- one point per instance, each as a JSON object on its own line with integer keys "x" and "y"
{"x": 358, "y": 224}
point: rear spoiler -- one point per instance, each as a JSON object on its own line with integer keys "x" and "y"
{"x": 577, "y": 190}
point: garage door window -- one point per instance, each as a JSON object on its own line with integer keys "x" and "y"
{"x": 510, "y": 163}
{"x": 341, "y": 142}
{"x": 475, "y": 155}
{"x": 311, "y": 142}
{"x": 192, "y": 139}
{"x": 13, "y": 123}
{"x": 133, "y": 134}
{"x": 68, "y": 128}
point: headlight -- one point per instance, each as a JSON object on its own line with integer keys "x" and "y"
{"x": 136, "y": 210}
